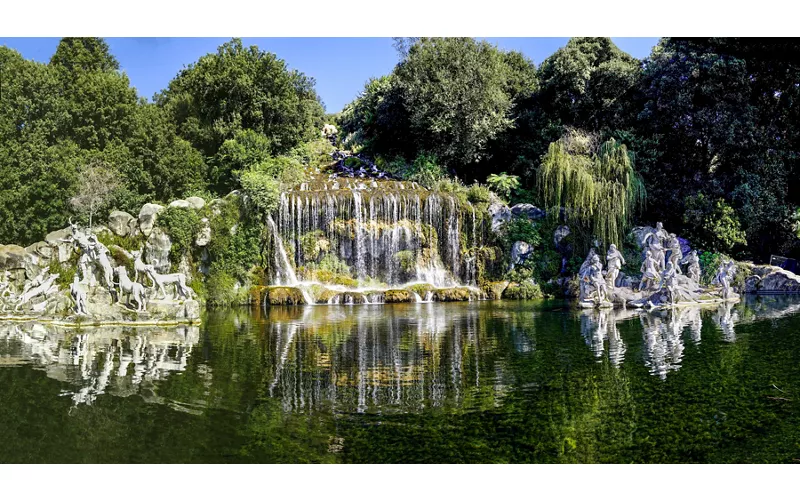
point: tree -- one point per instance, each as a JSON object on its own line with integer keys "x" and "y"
{"x": 595, "y": 184}
{"x": 588, "y": 83}
{"x": 96, "y": 183}
{"x": 240, "y": 88}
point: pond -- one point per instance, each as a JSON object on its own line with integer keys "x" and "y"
{"x": 481, "y": 382}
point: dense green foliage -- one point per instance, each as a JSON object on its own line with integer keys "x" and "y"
{"x": 715, "y": 117}
{"x": 80, "y": 110}
{"x": 700, "y": 119}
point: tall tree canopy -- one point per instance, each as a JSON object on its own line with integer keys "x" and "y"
{"x": 241, "y": 88}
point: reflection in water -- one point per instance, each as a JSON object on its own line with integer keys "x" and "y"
{"x": 99, "y": 360}
{"x": 357, "y": 359}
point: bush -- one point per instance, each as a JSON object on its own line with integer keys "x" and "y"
{"x": 712, "y": 225}
{"x": 503, "y": 184}
{"x": 426, "y": 171}
{"x": 526, "y": 290}
{"x": 521, "y": 229}
{"x": 477, "y": 193}
{"x": 182, "y": 225}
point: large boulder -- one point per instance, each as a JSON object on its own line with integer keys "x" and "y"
{"x": 12, "y": 257}
{"x": 778, "y": 281}
{"x": 204, "y": 235}
{"x": 519, "y": 252}
{"x": 157, "y": 250}
{"x": 63, "y": 249}
{"x": 528, "y": 210}
{"x": 180, "y": 204}
{"x": 500, "y": 215}
{"x": 147, "y": 217}
{"x": 196, "y": 202}
{"x": 559, "y": 234}
{"x": 121, "y": 223}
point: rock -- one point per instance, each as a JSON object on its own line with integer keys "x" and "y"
{"x": 147, "y": 217}
{"x": 528, "y": 210}
{"x": 204, "y": 235}
{"x": 157, "y": 250}
{"x": 12, "y": 257}
{"x": 493, "y": 290}
{"x": 63, "y": 249}
{"x": 395, "y": 296}
{"x": 559, "y": 234}
{"x": 196, "y": 202}
{"x": 180, "y": 204}
{"x": 500, "y": 215}
{"x": 519, "y": 252}
{"x": 778, "y": 281}
{"x": 192, "y": 309}
{"x": 39, "y": 254}
{"x": 120, "y": 222}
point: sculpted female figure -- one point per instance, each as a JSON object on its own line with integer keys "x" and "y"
{"x": 693, "y": 271}
{"x": 649, "y": 271}
{"x": 614, "y": 262}
{"x": 675, "y": 253}
{"x": 596, "y": 275}
{"x": 655, "y": 249}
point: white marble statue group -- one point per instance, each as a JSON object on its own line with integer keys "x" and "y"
{"x": 94, "y": 256}
{"x": 662, "y": 276}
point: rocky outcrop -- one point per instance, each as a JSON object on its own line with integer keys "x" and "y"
{"x": 772, "y": 280}
{"x": 122, "y": 223}
{"x": 494, "y": 290}
{"x": 204, "y": 235}
{"x": 196, "y": 202}
{"x": 500, "y": 214}
{"x": 157, "y": 250}
{"x": 180, "y": 204}
{"x": 147, "y": 217}
{"x": 12, "y": 257}
{"x": 527, "y": 210}
{"x": 520, "y": 251}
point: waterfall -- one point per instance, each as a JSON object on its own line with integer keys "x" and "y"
{"x": 367, "y": 235}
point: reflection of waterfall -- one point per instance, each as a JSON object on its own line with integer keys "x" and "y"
{"x": 366, "y": 359}
{"x": 390, "y": 231}
{"x": 99, "y": 361}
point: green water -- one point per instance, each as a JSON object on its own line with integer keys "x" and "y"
{"x": 460, "y": 382}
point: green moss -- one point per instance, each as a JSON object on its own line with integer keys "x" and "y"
{"x": 257, "y": 294}
{"x": 406, "y": 259}
{"x": 420, "y": 289}
{"x": 394, "y": 296}
{"x": 284, "y": 296}
{"x": 451, "y": 294}
{"x": 493, "y": 290}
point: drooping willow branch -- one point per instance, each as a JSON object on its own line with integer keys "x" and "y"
{"x": 598, "y": 187}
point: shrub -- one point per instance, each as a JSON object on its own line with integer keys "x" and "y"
{"x": 712, "y": 224}
{"x": 503, "y": 184}
{"x": 426, "y": 171}
{"x": 526, "y": 290}
{"x": 182, "y": 225}
{"x": 477, "y": 193}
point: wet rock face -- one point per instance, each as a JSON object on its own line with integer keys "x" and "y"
{"x": 527, "y": 210}
{"x": 121, "y": 223}
{"x": 147, "y": 217}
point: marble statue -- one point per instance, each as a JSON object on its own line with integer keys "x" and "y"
{"x": 99, "y": 255}
{"x": 614, "y": 262}
{"x": 675, "y": 253}
{"x": 133, "y": 290}
{"x": 693, "y": 271}
{"x": 140, "y": 267}
{"x": 669, "y": 281}
{"x": 724, "y": 276}
{"x": 649, "y": 271}
{"x": 40, "y": 285}
{"x": 654, "y": 242}
{"x": 178, "y": 279}
{"x": 93, "y": 254}
{"x": 78, "y": 295}
{"x": 593, "y": 284}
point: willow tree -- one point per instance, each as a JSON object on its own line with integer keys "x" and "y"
{"x": 595, "y": 183}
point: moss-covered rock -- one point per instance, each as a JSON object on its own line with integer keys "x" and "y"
{"x": 421, "y": 289}
{"x": 493, "y": 290}
{"x": 451, "y": 294}
{"x": 394, "y": 296}
{"x": 285, "y": 296}
{"x": 257, "y": 294}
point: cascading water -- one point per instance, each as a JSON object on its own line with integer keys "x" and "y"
{"x": 362, "y": 235}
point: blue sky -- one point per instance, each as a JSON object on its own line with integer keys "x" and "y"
{"x": 340, "y": 66}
